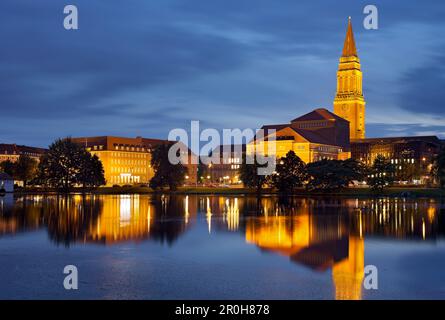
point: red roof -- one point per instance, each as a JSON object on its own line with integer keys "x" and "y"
{"x": 313, "y": 136}
{"x": 18, "y": 149}
{"x": 319, "y": 114}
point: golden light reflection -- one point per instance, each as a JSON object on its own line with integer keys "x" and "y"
{"x": 231, "y": 214}
{"x": 319, "y": 234}
{"x": 209, "y": 214}
{"x": 186, "y": 209}
{"x": 348, "y": 274}
{"x": 279, "y": 233}
{"x": 123, "y": 218}
{"x": 431, "y": 213}
{"x": 307, "y": 241}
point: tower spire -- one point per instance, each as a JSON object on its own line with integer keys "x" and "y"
{"x": 349, "y": 48}
{"x": 349, "y": 102}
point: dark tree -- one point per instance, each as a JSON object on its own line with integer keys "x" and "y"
{"x": 8, "y": 167}
{"x": 290, "y": 173}
{"x": 333, "y": 174}
{"x": 439, "y": 168}
{"x": 202, "y": 171}
{"x": 91, "y": 172}
{"x": 25, "y": 169}
{"x": 67, "y": 164}
{"x": 166, "y": 173}
{"x": 381, "y": 173}
{"x": 250, "y": 176}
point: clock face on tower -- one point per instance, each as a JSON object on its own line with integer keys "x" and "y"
{"x": 344, "y": 108}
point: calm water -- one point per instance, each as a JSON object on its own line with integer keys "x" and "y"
{"x": 221, "y": 247}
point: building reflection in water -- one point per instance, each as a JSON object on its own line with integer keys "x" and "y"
{"x": 123, "y": 218}
{"x": 318, "y": 241}
{"x": 100, "y": 219}
{"x": 321, "y": 234}
{"x": 137, "y": 218}
{"x": 315, "y": 234}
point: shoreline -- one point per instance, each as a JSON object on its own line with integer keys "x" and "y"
{"x": 407, "y": 192}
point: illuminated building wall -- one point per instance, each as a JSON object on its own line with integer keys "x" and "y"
{"x": 12, "y": 152}
{"x": 227, "y": 170}
{"x": 349, "y": 102}
{"x": 318, "y": 135}
{"x": 415, "y": 154}
{"x": 127, "y": 160}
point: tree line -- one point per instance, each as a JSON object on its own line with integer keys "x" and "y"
{"x": 327, "y": 175}
{"x": 64, "y": 166}
{"x": 67, "y": 165}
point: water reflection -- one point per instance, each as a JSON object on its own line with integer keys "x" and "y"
{"x": 322, "y": 234}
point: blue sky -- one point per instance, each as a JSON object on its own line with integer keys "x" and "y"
{"x": 144, "y": 67}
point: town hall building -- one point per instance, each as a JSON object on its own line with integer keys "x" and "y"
{"x": 340, "y": 135}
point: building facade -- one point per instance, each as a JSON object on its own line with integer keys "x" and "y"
{"x": 12, "y": 152}
{"x": 322, "y": 134}
{"x": 349, "y": 102}
{"x": 128, "y": 160}
{"x": 226, "y": 170}
{"x": 318, "y": 135}
{"x": 413, "y": 157}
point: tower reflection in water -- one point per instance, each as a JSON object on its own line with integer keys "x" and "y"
{"x": 318, "y": 241}
{"x": 321, "y": 234}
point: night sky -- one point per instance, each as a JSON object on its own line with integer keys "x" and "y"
{"x": 144, "y": 67}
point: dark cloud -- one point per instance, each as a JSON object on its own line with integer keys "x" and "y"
{"x": 401, "y": 130}
{"x": 155, "y": 65}
{"x": 69, "y": 73}
{"x": 423, "y": 88}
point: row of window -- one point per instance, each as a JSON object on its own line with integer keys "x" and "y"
{"x": 4, "y": 158}
{"x": 141, "y": 170}
{"x": 231, "y": 160}
{"x": 349, "y": 84}
{"x": 129, "y": 161}
{"x": 396, "y": 161}
{"x": 124, "y": 179}
{"x": 132, "y": 148}
{"x": 129, "y": 155}
{"x": 328, "y": 149}
{"x": 313, "y": 125}
{"x": 320, "y": 158}
{"x": 31, "y": 154}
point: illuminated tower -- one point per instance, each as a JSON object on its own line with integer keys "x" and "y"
{"x": 349, "y": 102}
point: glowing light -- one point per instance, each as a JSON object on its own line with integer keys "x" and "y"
{"x": 186, "y": 209}
{"x": 209, "y": 215}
